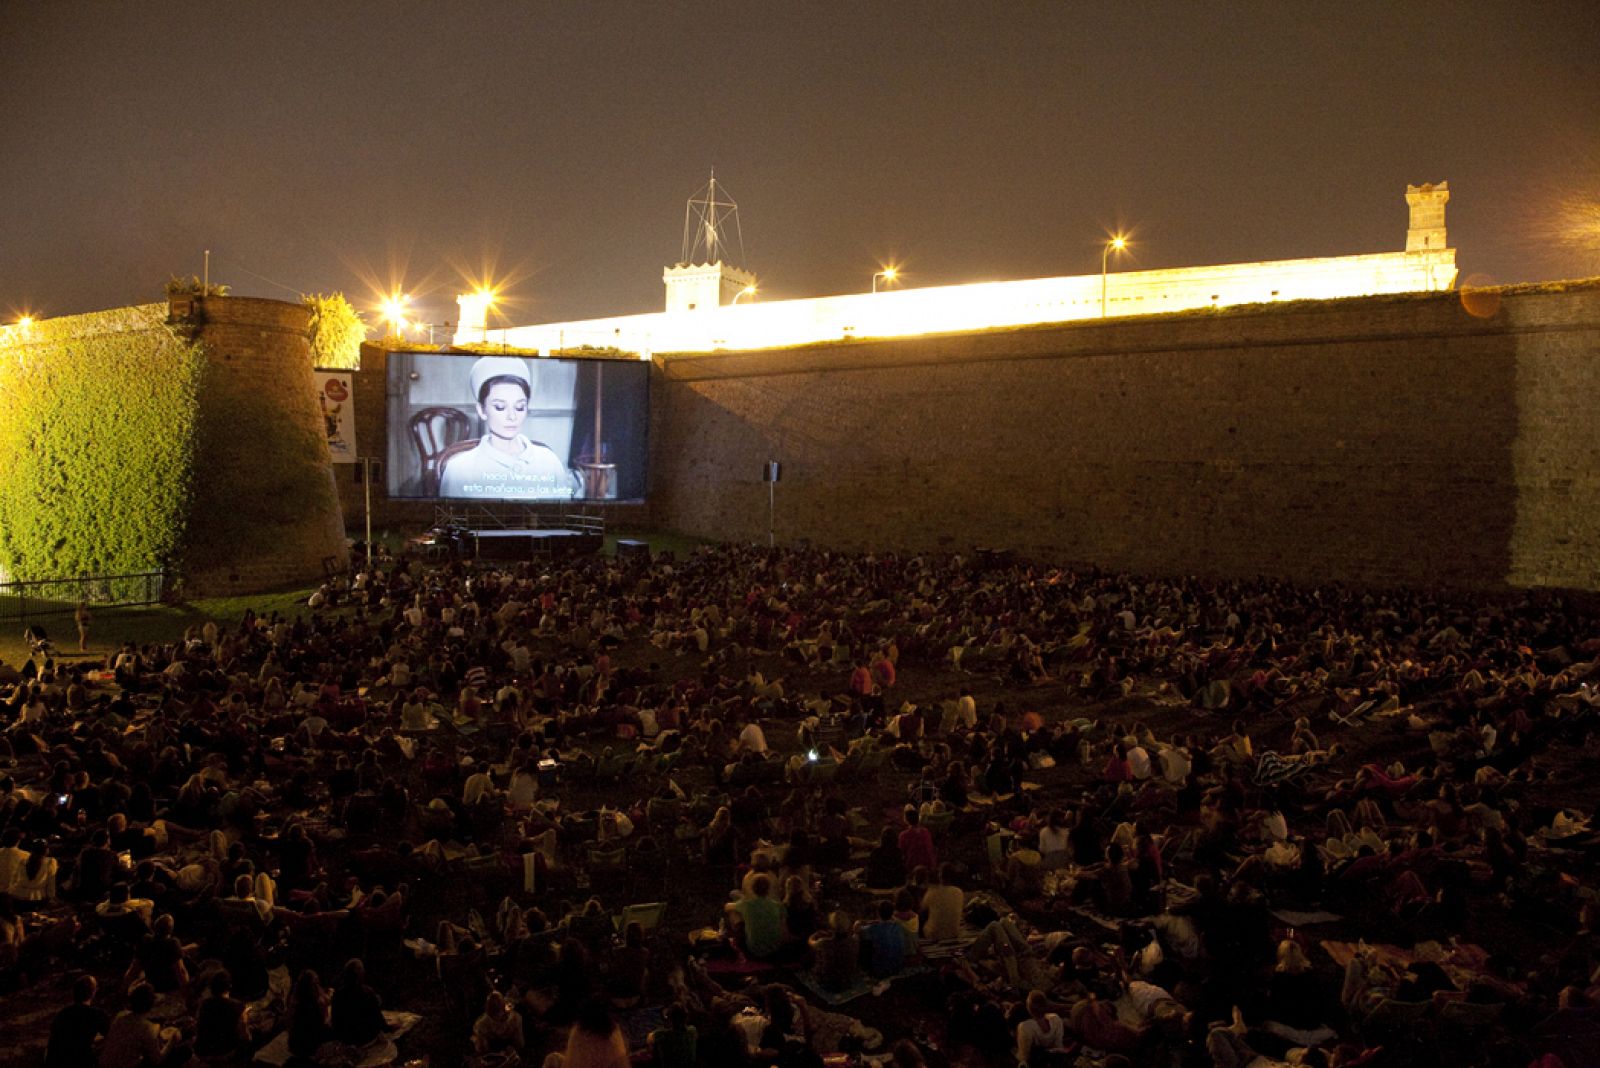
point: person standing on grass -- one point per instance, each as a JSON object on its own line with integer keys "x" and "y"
{"x": 82, "y": 617}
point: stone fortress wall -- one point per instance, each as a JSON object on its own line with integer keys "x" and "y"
{"x": 259, "y": 511}
{"x": 265, "y": 513}
{"x": 1391, "y": 440}
{"x": 1388, "y": 440}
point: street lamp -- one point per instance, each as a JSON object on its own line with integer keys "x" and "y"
{"x": 888, "y": 274}
{"x": 394, "y": 312}
{"x": 747, "y": 291}
{"x": 1116, "y": 244}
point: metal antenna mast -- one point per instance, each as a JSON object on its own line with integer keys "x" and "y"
{"x": 707, "y": 222}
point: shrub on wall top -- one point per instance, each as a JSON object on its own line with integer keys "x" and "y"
{"x": 97, "y": 419}
{"x": 336, "y": 331}
{"x": 194, "y": 287}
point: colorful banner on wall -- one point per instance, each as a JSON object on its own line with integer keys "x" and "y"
{"x": 338, "y": 404}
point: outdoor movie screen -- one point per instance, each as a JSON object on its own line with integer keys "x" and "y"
{"x": 517, "y": 428}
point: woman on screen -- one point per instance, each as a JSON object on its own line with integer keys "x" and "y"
{"x": 505, "y": 465}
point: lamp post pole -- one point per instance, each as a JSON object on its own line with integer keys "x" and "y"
{"x": 1116, "y": 244}
{"x": 888, "y": 274}
{"x": 366, "y": 484}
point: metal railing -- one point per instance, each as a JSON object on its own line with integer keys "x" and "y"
{"x": 46, "y": 597}
{"x": 588, "y": 519}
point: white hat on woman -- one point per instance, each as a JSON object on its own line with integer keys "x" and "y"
{"x": 499, "y": 367}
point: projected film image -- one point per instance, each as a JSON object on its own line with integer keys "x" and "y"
{"x": 516, "y": 428}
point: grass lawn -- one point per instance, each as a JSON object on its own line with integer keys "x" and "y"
{"x": 146, "y": 623}
{"x": 162, "y": 623}
{"x": 659, "y": 541}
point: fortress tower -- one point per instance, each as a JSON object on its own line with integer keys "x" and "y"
{"x": 700, "y": 280}
{"x": 1427, "y": 203}
{"x": 264, "y": 513}
{"x": 472, "y": 315}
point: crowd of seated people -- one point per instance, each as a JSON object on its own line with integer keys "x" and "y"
{"x": 761, "y": 806}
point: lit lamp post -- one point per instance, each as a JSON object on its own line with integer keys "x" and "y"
{"x": 888, "y": 274}
{"x": 747, "y": 291}
{"x": 394, "y": 313}
{"x": 1116, "y": 244}
{"x": 18, "y": 330}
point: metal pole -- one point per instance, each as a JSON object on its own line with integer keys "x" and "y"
{"x": 366, "y": 479}
{"x": 599, "y": 379}
{"x": 1104, "y": 253}
{"x": 772, "y": 499}
{"x": 205, "y": 282}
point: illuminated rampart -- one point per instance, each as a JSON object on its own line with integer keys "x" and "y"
{"x": 704, "y": 313}
{"x": 985, "y": 305}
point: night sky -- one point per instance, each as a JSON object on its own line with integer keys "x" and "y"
{"x": 351, "y": 146}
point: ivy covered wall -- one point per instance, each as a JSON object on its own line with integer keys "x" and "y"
{"x": 183, "y": 436}
{"x": 98, "y": 414}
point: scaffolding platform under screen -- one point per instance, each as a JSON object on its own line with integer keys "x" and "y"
{"x": 531, "y": 544}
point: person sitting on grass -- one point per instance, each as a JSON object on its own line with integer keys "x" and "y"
{"x": 356, "y": 1010}
{"x": 134, "y": 1039}
{"x": 1041, "y": 1037}
{"x": 76, "y": 1028}
{"x": 836, "y": 953}
{"x": 916, "y": 842}
{"x": 941, "y": 907}
{"x": 222, "y": 1023}
{"x": 889, "y": 945}
{"x": 761, "y": 923}
{"x": 595, "y": 1040}
{"x": 499, "y": 1029}
{"x": 673, "y": 1045}
{"x": 886, "y": 865}
{"x": 159, "y": 959}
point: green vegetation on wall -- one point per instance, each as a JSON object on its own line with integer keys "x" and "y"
{"x": 483, "y": 348}
{"x": 396, "y": 343}
{"x": 494, "y": 348}
{"x": 336, "y": 332}
{"x": 194, "y": 287}
{"x": 97, "y": 420}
